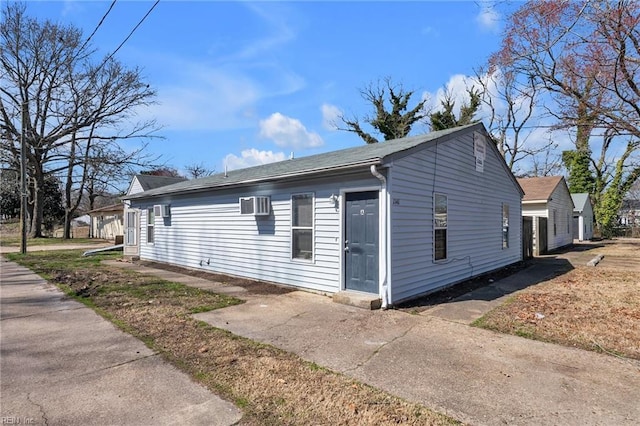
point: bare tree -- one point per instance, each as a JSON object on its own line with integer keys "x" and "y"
{"x": 195, "y": 171}
{"x": 512, "y": 104}
{"x": 70, "y": 102}
{"x": 392, "y": 117}
{"x": 586, "y": 56}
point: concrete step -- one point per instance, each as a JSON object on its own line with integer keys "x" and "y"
{"x": 359, "y": 300}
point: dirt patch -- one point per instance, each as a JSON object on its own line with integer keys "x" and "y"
{"x": 588, "y": 307}
{"x": 252, "y": 286}
{"x": 273, "y": 387}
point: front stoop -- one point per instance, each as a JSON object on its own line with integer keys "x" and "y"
{"x": 359, "y": 300}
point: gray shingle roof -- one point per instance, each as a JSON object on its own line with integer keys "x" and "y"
{"x": 359, "y": 156}
{"x": 579, "y": 201}
{"x": 149, "y": 182}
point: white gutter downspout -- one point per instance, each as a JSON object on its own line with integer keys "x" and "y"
{"x": 384, "y": 240}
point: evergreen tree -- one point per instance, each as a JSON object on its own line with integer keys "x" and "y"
{"x": 580, "y": 177}
{"x": 392, "y": 118}
{"x": 446, "y": 118}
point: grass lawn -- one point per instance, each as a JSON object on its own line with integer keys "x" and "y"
{"x": 273, "y": 387}
{"x": 10, "y": 237}
{"x": 593, "y": 308}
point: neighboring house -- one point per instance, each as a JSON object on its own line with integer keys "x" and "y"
{"x": 629, "y": 213}
{"x": 141, "y": 183}
{"x": 132, "y": 224}
{"x": 392, "y": 220}
{"x": 582, "y": 216}
{"x": 548, "y": 201}
{"x": 106, "y": 222}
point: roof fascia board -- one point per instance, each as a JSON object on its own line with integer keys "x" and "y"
{"x": 286, "y": 177}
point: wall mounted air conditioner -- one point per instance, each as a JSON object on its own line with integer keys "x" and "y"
{"x": 161, "y": 210}
{"x": 255, "y": 206}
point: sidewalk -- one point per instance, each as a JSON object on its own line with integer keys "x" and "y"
{"x": 436, "y": 359}
{"x": 60, "y": 363}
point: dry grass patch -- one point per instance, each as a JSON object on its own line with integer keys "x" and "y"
{"x": 272, "y": 386}
{"x": 590, "y": 308}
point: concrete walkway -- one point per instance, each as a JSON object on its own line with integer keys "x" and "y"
{"x": 60, "y": 363}
{"x": 474, "y": 375}
{"x": 436, "y": 359}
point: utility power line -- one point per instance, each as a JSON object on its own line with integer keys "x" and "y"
{"x": 113, "y": 3}
{"x": 131, "y": 33}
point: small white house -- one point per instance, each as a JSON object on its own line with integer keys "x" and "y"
{"x": 106, "y": 222}
{"x": 582, "y": 216}
{"x": 629, "y": 213}
{"x": 132, "y": 224}
{"x": 548, "y": 200}
{"x": 392, "y": 220}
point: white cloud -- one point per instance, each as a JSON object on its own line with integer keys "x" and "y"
{"x": 279, "y": 31}
{"x": 330, "y": 116}
{"x": 288, "y": 132}
{"x": 252, "y": 157}
{"x": 488, "y": 18}
{"x": 200, "y": 97}
{"x": 220, "y": 90}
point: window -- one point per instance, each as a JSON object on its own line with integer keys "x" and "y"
{"x": 555, "y": 221}
{"x": 440, "y": 227}
{"x": 302, "y": 226}
{"x": 505, "y": 226}
{"x": 568, "y": 224}
{"x": 151, "y": 218}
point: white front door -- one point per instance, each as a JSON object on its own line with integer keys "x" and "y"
{"x": 131, "y": 225}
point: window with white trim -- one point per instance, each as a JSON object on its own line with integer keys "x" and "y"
{"x": 439, "y": 226}
{"x": 151, "y": 219}
{"x": 505, "y": 225}
{"x": 302, "y": 226}
{"x": 555, "y": 223}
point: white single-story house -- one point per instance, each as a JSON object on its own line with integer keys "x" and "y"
{"x": 582, "y": 216}
{"x": 547, "y": 199}
{"x": 140, "y": 183}
{"x": 629, "y": 213}
{"x": 393, "y": 220}
{"x": 106, "y": 222}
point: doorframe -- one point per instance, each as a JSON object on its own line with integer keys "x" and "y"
{"x": 381, "y": 251}
{"x": 137, "y": 227}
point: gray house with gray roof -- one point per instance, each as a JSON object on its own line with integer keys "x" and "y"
{"x": 393, "y": 220}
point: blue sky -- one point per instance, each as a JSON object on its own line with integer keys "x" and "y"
{"x": 242, "y": 83}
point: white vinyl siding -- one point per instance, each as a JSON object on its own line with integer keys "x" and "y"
{"x": 135, "y": 187}
{"x": 206, "y": 231}
{"x": 559, "y": 220}
{"x": 474, "y": 203}
{"x": 584, "y": 222}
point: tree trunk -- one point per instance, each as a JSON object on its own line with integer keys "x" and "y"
{"x": 38, "y": 206}
{"x": 67, "y": 225}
